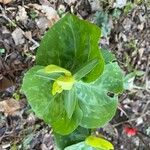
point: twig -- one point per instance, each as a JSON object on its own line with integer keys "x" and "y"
{"x": 130, "y": 120}
{"x": 119, "y": 107}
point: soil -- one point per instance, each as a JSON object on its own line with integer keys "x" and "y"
{"x": 22, "y": 26}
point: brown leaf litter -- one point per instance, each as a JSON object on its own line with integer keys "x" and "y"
{"x": 5, "y": 1}
{"x": 10, "y": 106}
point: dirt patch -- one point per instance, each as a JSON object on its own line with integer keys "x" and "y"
{"x": 22, "y": 26}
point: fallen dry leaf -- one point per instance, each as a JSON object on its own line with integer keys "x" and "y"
{"x": 49, "y": 18}
{"x": 42, "y": 23}
{"x": 51, "y": 14}
{"x": 95, "y": 5}
{"x": 9, "y": 106}
{"x": 22, "y": 15}
{"x": 5, "y": 1}
{"x": 18, "y": 37}
{"x": 70, "y": 2}
{"x": 5, "y": 83}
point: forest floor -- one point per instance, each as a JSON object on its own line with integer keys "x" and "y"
{"x": 126, "y": 32}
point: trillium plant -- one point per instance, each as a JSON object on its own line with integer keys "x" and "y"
{"x": 74, "y": 84}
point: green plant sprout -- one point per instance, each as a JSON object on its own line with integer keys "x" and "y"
{"x": 70, "y": 85}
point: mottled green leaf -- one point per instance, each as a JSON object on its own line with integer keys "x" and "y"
{"x": 78, "y": 135}
{"x": 102, "y": 20}
{"x": 70, "y": 43}
{"x": 129, "y": 80}
{"x": 108, "y": 56}
{"x": 94, "y": 99}
{"x": 81, "y": 146}
{"x": 48, "y": 107}
{"x": 61, "y": 123}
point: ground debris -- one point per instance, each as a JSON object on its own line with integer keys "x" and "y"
{"x": 23, "y": 24}
{"x": 22, "y": 15}
{"x": 18, "y": 37}
{"x": 5, "y": 1}
{"x": 9, "y": 106}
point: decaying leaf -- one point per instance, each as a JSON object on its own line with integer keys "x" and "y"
{"x": 95, "y": 5}
{"x": 120, "y": 3}
{"x": 9, "y": 106}
{"x": 70, "y": 2}
{"x": 5, "y": 1}
{"x": 18, "y": 37}
{"x": 50, "y": 13}
{"x": 22, "y": 15}
{"x": 5, "y": 83}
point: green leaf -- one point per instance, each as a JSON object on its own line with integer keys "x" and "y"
{"x": 63, "y": 83}
{"x": 94, "y": 100}
{"x": 70, "y": 43}
{"x": 55, "y": 96}
{"x": 81, "y": 146}
{"x": 108, "y": 56}
{"x": 60, "y": 121}
{"x": 85, "y": 69}
{"x": 98, "y": 142}
{"x": 129, "y": 6}
{"x": 129, "y": 80}
{"x": 2, "y": 51}
{"x": 48, "y": 107}
{"x": 102, "y": 20}
{"x": 116, "y": 13}
{"x": 51, "y": 77}
{"x": 70, "y": 101}
{"x": 56, "y": 69}
{"x": 78, "y": 135}
{"x": 52, "y": 72}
